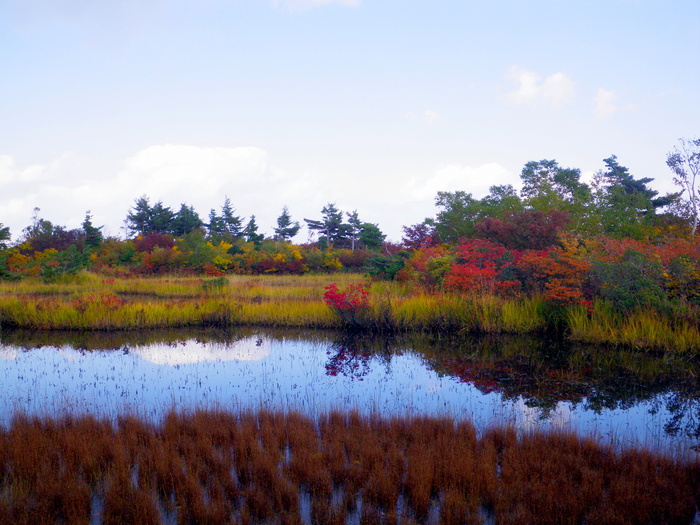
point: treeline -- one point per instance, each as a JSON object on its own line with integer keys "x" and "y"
{"x": 554, "y": 217}
{"x": 160, "y": 240}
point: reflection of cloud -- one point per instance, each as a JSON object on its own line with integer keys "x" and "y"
{"x": 558, "y": 418}
{"x": 249, "y": 349}
{"x": 8, "y": 354}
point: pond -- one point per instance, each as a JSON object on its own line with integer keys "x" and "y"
{"x": 623, "y": 398}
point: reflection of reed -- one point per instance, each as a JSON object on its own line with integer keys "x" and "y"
{"x": 269, "y": 467}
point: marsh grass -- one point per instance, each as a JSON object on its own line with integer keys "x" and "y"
{"x": 89, "y": 302}
{"x": 641, "y": 328}
{"x": 269, "y": 467}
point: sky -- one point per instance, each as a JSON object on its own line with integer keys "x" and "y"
{"x": 373, "y": 105}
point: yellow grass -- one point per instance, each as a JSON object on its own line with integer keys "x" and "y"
{"x": 91, "y": 302}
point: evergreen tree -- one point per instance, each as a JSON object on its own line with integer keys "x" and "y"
{"x": 624, "y": 206}
{"x": 4, "y": 236}
{"x": 330, "y": 227}
{"x": 144, "y": 218}
{"x": 371, "y": 236}
{"x": 286, "y": 228}
{"x": 251, "y": 232}
{"x": 215, "y": 226}
{"x": 185, "y": 221}
{"x": 139, "y": 218}
{"x": 161, "y": 218}
{"x": 232, "y": 224}
{"x": 93, "y": 235}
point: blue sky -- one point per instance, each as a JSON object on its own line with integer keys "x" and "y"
{"x": 374, "y": 105}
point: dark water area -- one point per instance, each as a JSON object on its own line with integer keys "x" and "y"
{"x": 622, "y": 397}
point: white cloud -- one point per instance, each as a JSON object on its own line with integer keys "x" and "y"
{"x": 430, "y": 116}
{"x": 201, "y": 177}
{"x": 65, "y": 188}
{"x": 454, "y": 177}
{"x": 605, "y": 105}
{"x": 555, "y": 90}
{"x": 427, "y": 117}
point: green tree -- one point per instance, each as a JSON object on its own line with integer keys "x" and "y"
{"x": 685, "y": 164}
{"x": 138, "y": 219}
{"x": 185, "y": 220}
{"x": 330, "y": 227}
{"x": 161, "y": 218}
{"x": 547, "y": 186}
{"x": 4, "y": 236}
{"x": 371, "y": 236}
{"x": 501, "y": 199}
{"x": 457, "y": 216}
{"x": 215, "y": 226}
{"x": 144, "y": 218}
{"x": 232, "y": 224}
{"x": 93, "y": 235}
{"x": 251, "y": 232}
{"x": 286, "y": 228}
{"x": 622, "y": 205}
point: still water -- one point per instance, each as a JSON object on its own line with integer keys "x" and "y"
{"x": 616, "y": 397}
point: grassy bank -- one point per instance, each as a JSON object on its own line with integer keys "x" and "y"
{"x": 91, "y": 302}
{"x": 265, "y": 467}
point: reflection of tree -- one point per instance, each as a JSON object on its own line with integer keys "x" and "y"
{"x": 545, "y": 372}
{"x": 684, "y": 407}
{"x": 350, "y": 354}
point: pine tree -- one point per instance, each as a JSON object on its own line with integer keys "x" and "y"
{"x": 251, "y": 232}
{"x": 93, "y": 236}
{"x": 286, "y": 228}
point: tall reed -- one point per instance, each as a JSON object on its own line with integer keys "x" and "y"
{"x": 263, "y": 467}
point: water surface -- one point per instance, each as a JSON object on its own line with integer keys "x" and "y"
{"x": 623, "y": 398}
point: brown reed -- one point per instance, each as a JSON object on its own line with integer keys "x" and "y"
{"x": 268, "y": 467}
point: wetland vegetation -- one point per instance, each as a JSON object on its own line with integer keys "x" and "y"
{"x": 147, "y": 376}
{"x": 256, "y": 425}
{"x": 271, "y": 467}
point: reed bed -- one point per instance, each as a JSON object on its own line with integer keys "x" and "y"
{"x": 89, "y": 302}
{"x": 644, "y": 329}
{"x": 270, "y": 467}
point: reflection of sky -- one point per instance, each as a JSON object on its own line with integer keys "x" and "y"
{"x": 260, "y": 372}
{"x": 189, "y": 352}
